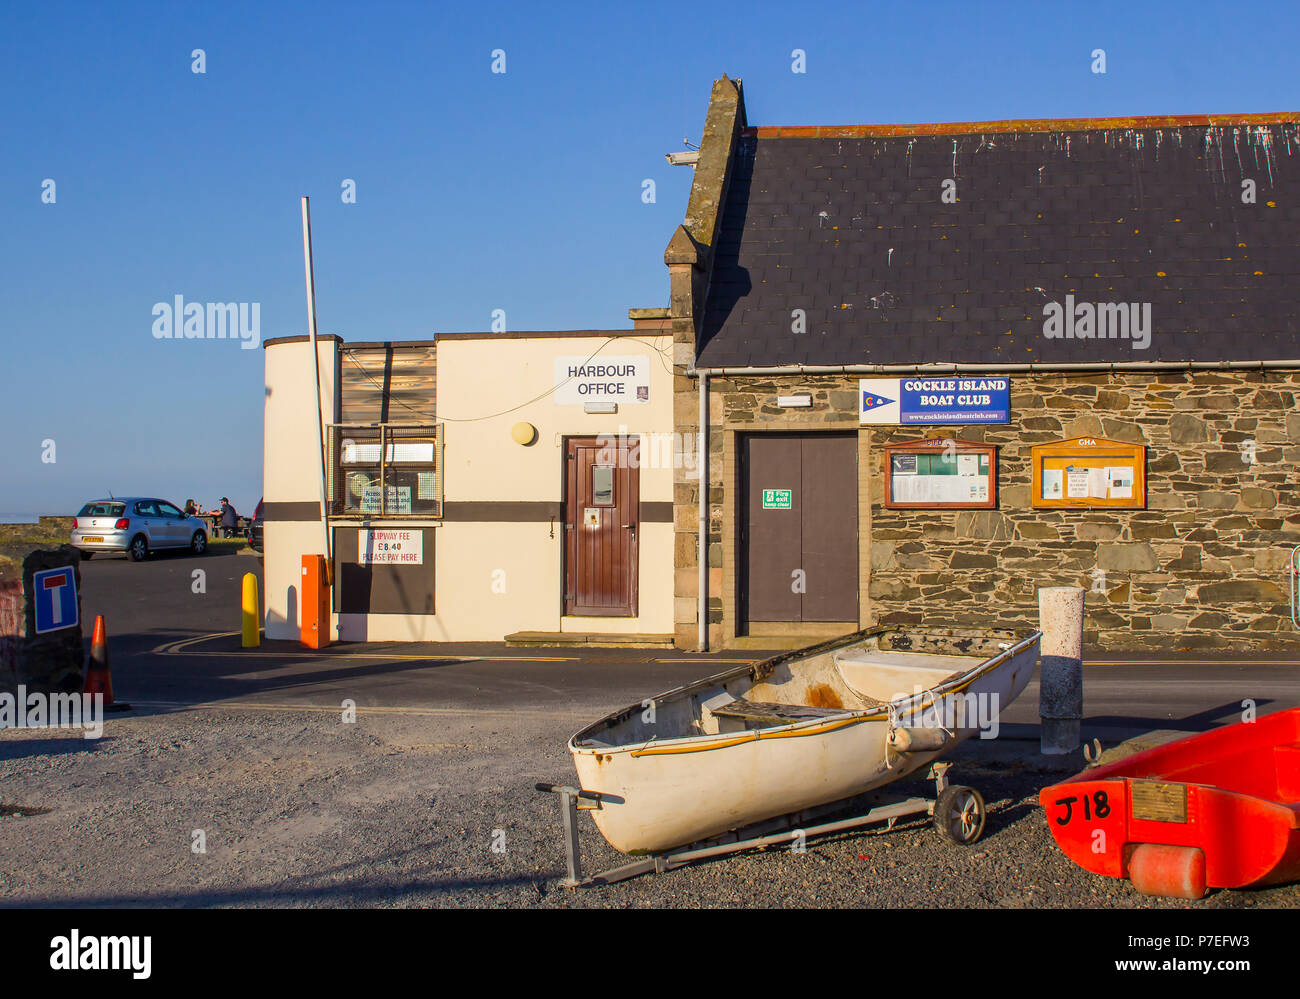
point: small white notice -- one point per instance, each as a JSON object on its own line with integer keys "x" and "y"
{"x": 1097, "y": 483}
{"x": 390, "y": 547}
{"x": 399, "y": 500}
{"x": 1076, "y": 482}
{"x": 1120, "y": 480}
{"x": 1053, "y": 483}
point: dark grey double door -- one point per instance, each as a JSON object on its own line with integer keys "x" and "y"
{"x": 798, "y": 539}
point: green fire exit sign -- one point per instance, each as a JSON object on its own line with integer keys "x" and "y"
{"x": 777, "y": 499}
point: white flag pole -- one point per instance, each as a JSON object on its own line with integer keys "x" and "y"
{"x": 315, "y": 356}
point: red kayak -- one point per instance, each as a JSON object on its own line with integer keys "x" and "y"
{"x": 1218, "y": 810}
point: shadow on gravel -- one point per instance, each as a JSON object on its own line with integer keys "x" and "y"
{"x": 350, "y": 884}
{"x": 349, "y": 893}
{"x": 1005, "y": 818}
{"x": 18, "y": 749}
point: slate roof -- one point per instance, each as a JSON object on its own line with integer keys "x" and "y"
{"x": 849, "y": 226}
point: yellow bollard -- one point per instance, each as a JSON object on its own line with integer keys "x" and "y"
{"x": 252, "y": 634}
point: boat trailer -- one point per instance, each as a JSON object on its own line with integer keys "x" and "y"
{"x": 958, "y": 812}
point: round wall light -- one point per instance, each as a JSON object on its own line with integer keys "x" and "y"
{"x": 523, "y": 433}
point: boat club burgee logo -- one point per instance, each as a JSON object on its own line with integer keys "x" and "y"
{"x": 901, "y": 401}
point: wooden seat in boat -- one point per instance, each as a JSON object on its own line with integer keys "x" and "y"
{"x": 907, "y": 660}
{"x": 887, "y": 675}
{"x": 767, "y": 711}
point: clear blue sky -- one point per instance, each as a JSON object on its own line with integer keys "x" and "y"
{"x": 475, "y": 191}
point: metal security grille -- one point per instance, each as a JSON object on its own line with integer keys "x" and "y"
{"x": 385, "y": 470}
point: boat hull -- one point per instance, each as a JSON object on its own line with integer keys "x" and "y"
{"x": 657, "y": 795}
{"x": 1227, "y": 801}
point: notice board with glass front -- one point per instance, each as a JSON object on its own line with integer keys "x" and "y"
{"x": 1089, "y": 472}
{"x": 939, "y": 472}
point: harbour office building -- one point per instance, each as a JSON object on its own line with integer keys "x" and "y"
{"x": 480, "y": 486}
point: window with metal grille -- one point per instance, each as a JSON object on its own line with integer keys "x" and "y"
{"x": 385, "y": 470}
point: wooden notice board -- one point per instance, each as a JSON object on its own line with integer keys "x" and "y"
{"x": 942, "y": 473}
{"x": 1090, "y": 472}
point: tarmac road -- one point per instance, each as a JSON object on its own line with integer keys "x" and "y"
{"x": 151, "y": 605}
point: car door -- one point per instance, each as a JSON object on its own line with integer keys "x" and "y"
{"x": 145, "y": 515}
{"x": 178, "y": 528}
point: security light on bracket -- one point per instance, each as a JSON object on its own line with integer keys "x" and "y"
{"x": 687, "y": 157}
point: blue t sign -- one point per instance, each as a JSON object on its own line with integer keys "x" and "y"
{"x": 55, "y": 597}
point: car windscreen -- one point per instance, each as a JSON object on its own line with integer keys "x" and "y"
{"x": 102, "y": 510}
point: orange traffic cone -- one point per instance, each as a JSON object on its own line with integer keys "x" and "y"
{"x": 98, "y": 678}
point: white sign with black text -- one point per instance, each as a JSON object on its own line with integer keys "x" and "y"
{"x": 390, "y": 547}
{"x": 580, "y": 380}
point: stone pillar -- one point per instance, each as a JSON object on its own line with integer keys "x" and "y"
{"x": 52, "y": 662}
{"x": 1060, "y": 697}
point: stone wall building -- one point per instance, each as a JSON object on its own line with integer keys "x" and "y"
{"x": 810, "y": 259}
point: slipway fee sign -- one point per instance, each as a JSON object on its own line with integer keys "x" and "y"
{"x": 900, "y": 401}
{"x": 390, "y": 547}
{"x": 602, "y": 379}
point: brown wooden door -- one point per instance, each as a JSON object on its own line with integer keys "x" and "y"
{"x": 799, "y": 527}
{"x": 601, "y": 509}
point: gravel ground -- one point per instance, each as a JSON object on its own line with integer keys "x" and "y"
{"x": 400, "y": 809}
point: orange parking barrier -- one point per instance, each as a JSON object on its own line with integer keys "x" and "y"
{"x": 315, "y": 631}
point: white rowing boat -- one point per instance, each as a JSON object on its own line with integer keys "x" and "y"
{"x": 800, "y": 730}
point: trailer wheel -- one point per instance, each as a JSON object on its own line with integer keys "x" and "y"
{"x": 959, "y": 814}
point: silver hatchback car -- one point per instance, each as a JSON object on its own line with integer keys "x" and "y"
{"x": 134, "y": 526}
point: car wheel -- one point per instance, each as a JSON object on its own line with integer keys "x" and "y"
{"x": 199, "y": 543}
{"x": 139, "y": 549}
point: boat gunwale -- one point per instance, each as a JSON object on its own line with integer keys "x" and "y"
{"x": 804, "y": 727}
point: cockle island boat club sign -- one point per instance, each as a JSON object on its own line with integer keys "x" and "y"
{"x": 579, "y": 380}
{"x": 899, "y": 401}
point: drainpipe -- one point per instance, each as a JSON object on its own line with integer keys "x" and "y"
{"x": 702, "y": 464}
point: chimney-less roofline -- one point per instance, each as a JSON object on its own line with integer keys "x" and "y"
{"x": 946, "y": 368}
{"x": 1019, "y": 125}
